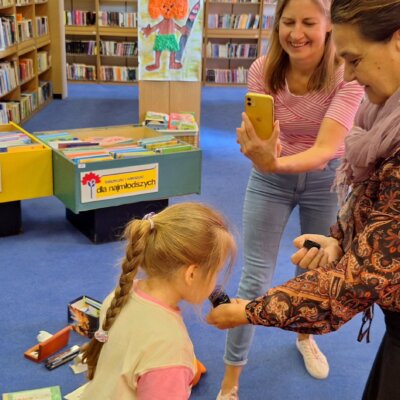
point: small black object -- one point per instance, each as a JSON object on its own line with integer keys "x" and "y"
{"x": 308, "y": 244}
{"x": 218, "y": 297}
{"x": 62, "y": 358}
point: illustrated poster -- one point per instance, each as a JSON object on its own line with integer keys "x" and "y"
{"x": 170, "y": 40}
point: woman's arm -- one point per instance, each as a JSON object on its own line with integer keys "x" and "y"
{"x": 334, "y": 127}
{"x": 330, "y": 138}
{"x": 322, "y": 300}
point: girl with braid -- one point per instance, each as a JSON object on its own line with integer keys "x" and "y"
{"x": 143, "y": 350}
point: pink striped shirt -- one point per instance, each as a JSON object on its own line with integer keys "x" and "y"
{"x": 300, "y": 117}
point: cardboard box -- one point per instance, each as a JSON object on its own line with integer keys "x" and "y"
{"x": 43, "y": 350}
{"x": 83, "y": 315}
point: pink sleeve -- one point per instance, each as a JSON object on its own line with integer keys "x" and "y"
{"x": 174, "y": 381}
{"x": 345, "y": 103}
{"x": 255, "y": 79}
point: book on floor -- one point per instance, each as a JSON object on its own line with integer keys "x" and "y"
{"x": 47, "y": 393}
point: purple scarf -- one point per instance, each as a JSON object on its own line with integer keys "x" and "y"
{"x": 374, "y": 137}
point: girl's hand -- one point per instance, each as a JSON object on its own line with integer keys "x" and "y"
{"x": 228, "y": 315}
{"x": 263, "y": 153}
{"x": 313, "y": 258}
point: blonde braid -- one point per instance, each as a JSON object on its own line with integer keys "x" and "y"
{"x": 136, "y": 233}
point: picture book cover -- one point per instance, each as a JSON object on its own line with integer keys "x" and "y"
{"x": 48, "y": 393}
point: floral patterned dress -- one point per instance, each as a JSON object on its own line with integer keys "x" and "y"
{"x": 368, "y": 230}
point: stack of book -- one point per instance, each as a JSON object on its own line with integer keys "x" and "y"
{"x": 16, "y": 141}
{"x": 174, "y": 121}
{"x": 94, "y": 149}
{"x": 164, "y": 144}
{"x": 156, "y": 120}
{"x": 182, "y": 126}
{"x": 182, "y": 122}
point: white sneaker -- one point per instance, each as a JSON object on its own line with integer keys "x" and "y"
{"x": 232, "y": 395}
{"x": 315, "y": 362}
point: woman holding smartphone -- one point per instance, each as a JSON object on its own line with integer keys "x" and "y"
{"x": 358, "y": 265}
{"x": 315, "y": 108}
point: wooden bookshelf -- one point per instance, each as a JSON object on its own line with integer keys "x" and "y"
{"x": 101, "y": 47}
{"x": 32, "y": 68}
{"x": 235, "y": 34}
{"x": 231, "y": 54}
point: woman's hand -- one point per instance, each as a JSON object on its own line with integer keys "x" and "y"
{"x": 228, "y": 315}
{"x": 313, "y": 258}
{"x": 263, "y": 153}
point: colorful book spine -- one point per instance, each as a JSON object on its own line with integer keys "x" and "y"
{"x": 174, "y": 149}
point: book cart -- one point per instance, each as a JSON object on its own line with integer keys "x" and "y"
{"x": 19, "y": 181}
{"x": 101, "y": 197}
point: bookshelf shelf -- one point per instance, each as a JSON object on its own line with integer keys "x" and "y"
{"x": 43, "y": 41}
{"x": 45, "y": 70}
{"x": 80, "y": 30}
{"x": 113, "y": 31}
{"x": 9, "y": 92}
{"x": 8, "y": 51}
{"x": 232, "y": 58}
{"x": 121, "y": 1}
{"x": 233, "y": 33}
{"x": 27, "y": 80}
{"x": 116, "y": 56}
{"x": 26, "y": 45}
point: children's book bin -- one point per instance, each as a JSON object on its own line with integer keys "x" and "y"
{"x": 25, "y": 173}
{"x": 102, "y": 196}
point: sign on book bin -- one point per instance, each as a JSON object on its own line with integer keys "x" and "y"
{"x": 118, "y": 182}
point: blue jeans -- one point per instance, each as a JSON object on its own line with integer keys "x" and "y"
{"x": 269, "y": 201}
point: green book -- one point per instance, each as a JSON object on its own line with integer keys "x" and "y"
{"x": 174, "y": 149}
{"x": 48, "y": 393}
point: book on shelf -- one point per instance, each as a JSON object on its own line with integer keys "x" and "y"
{"x": 47, "y": 393}
{"x": 7, "y": 31}
{"x": 80, "y": 17}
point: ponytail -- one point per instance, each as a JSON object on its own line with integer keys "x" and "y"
{"x": 136, "y": 232}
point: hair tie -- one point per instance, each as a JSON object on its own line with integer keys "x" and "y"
{"x": 148, "y": 217}
{"x": 101, "y": 336}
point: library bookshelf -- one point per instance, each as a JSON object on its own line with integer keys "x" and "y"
{"x": 100, "y": 49}
{"x": 235, "y": 34}
{"x": 101, "y": 41}
{"x": 30, "y": 64}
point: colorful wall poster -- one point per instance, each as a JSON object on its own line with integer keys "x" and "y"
{"x": 170, "y": 40}
{"x": 118, "y": 182}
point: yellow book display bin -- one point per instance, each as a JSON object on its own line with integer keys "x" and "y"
{"x": 100, "y": 197}
{"x": 25, "y": 173}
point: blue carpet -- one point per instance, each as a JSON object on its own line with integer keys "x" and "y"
{"x": 51, "y": 263}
